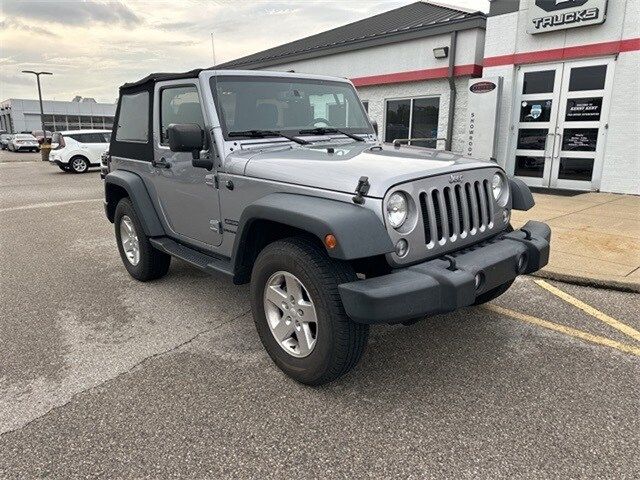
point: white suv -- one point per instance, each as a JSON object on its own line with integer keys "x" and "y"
{"x": 77, "y": 150}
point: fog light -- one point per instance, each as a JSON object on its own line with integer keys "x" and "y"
{"x": 522, "y": 263}
{"x": 505, "y": 216}
{"x": 402, "y": 247}
{"x": 479, "y": 280}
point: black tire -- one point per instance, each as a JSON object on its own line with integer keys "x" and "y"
{"x": 153, "y": 263}
{"x": 340, "y": 342}
{"x": 77, "y": 169}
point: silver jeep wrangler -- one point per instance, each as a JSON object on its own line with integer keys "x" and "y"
{"x": 278, "y": 179}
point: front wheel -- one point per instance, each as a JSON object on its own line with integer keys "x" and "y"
{"x": 140, "y": 258}
{"x": 298, "y": 312}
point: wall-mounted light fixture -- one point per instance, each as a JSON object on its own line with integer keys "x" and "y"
{"x": 441, "y": 52}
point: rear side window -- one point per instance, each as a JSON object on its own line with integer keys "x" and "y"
{"x": 88, "y": 137}
{"x": 179, "y": 105}
{"x": 133, "y": 122}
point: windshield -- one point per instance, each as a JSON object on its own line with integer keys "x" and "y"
{"x": 25, "y": 136}
{"x": 288, "y": 105}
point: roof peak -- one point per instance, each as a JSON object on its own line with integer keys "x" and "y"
{"x": 416, "y": 16}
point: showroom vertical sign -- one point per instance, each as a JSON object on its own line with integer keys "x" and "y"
{"x": 482, "y": 121}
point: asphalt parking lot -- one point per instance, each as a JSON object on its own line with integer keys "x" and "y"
{"x": 103, "y": 376}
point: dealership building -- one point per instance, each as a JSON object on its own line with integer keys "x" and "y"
{"x": 547, "y": 88}
{"x": 19, "y": 115}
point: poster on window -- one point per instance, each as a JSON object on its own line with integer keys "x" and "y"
{"x": 583, "y": 109}
{"x": 580, "y": 139}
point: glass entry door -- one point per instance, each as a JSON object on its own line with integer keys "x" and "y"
{"x": 561, "y": 123}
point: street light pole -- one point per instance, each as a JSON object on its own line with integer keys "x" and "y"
{"x": 37, "y": 74}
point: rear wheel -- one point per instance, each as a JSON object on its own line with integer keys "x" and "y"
{"x": 299, "y": 314}
{"x": 79, "y": 164}
{"x": 140, "y": 258}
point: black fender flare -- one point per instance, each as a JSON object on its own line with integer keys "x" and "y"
{"x": 359, "y": 231}
{"x": 140, "y": 198}
{"x": 521, "y": 197}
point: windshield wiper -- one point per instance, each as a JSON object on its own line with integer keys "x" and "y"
{"x": 267, "y": 133}
{"x": 324, "y": 131}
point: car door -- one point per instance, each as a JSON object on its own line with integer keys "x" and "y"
{"x": 97, "y": 146}
{"x": 186, "y": 196}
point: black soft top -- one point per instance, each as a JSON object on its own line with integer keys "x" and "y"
{"x": 158, "y": 77}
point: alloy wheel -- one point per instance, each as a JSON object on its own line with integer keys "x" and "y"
{"x": 79, "y": 165}
{"x": 291, "y": 314}
{"x": 129, "y": 239}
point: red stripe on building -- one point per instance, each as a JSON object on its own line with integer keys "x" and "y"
{"x": 417, "y": 75}
{"x": 566, "y": 53}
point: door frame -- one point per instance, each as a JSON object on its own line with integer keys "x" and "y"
{"x": 181, "y": 165}
{"x": 601, "y": 125}
{"x": 555, "y": 95}
{"x": 552, "y": 152}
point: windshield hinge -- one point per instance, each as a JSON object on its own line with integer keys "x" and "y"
{"x": 361, "y": 190}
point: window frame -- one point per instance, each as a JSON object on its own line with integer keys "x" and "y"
{"x": 149, "y": 100}
{"x": 411, "y": 101}
{"x": 212, "y": 83}
{"x": 161, "y": 90}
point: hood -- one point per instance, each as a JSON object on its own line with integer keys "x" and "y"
{"x": 341, "y": 169}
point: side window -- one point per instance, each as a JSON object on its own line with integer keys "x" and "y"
{"x": 133, "y": 122}
{"x": 91, "y": 138}
{"x": 106, "y": 136}
{"x": 179, "y": 105}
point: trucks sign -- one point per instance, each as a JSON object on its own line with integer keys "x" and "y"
{"x": 551, "y": 15}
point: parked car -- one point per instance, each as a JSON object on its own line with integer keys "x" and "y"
{"x": 4, "y": 140}
{"x": 23, "y": 142}
{"x": 278, "y": 179}
{"x": 78, "y": 150}
{"x": 40, "y": 136}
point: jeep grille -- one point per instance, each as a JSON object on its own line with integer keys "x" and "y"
{"x": 456, "y": 211}
{"x": 453, "y": 212}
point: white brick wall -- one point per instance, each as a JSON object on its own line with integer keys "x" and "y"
{"x": 621, "y": 168}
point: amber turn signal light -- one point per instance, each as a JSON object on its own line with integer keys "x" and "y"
{"x": 330, "y": 242}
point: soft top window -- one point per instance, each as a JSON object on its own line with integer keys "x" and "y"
{"x": 133, "y": 121}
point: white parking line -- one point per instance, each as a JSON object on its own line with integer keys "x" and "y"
{"x": 48, "y": 204}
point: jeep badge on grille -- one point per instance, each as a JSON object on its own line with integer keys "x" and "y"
{"x": 455, "y": 178}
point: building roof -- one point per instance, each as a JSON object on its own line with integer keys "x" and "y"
{"x": 419, "y": 19}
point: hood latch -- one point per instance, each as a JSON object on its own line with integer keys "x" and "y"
{"x": 361, "y": 190}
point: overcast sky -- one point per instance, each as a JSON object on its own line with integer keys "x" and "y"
{"x": 94, "y": 46}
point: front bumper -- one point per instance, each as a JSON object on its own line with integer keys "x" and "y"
{"x": 447, "y": 283}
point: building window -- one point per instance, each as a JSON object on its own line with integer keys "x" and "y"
{"x": 415, "y": 119}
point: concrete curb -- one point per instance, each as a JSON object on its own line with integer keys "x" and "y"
{"x": 586, "y": 281}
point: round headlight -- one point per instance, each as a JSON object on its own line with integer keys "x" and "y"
{"x": 397, "y": 209}
{"x": 500, "y": 189}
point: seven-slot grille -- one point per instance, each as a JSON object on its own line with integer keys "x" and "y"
{"x": 456, "y": 211}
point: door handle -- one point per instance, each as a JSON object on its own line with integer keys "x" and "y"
{"x": 162, "y": 163}
{"x": 546, "y": 145}
{"x": 556, "y": 152}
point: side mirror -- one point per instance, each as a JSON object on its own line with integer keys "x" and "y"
{"x": 374, "y": 124}
{"x": 188, "y": 137}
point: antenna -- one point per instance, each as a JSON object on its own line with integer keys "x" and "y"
{"x": 213, "y": 50}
